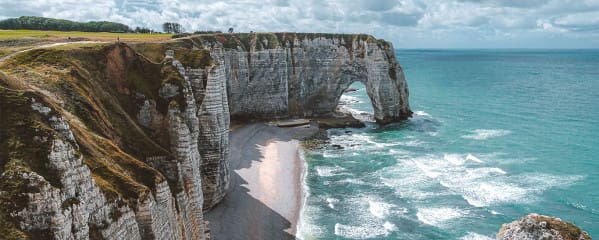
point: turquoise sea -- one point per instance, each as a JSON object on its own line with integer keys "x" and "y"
{"x": 496, "y": 134}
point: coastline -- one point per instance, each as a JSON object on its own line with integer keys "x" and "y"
{"x": 266, "y": 194}
{"x": 305, "y": 193}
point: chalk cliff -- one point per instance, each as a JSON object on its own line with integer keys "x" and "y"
{"x": 281, "y": 75}
{"x": 116, "y": 141}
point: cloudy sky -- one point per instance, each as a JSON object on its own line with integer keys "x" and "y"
{"x": 407, "y": 23}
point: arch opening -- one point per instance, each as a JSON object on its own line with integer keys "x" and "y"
{"x": 354, "y": 99}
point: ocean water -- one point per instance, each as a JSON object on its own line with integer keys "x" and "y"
{"x": 496, "y": 134}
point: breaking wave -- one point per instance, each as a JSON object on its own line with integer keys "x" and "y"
{"x": 363, "y": 232}
{"x": 438, "y": 216}
{"x": 482, "y": 134}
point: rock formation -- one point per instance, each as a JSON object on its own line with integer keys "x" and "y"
{"x": 534, "y": 226}
{"x": 303, "y": 75}
{"x": 109, "y": 150}
{"x": 116, "y": 141}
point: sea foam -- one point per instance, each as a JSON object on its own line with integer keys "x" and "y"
{"x": 482, "y": 134}
{"x": 363, "y": 232}
{"x": 475, "y": 236}
{"x": 379, "y": 209}
{"x": 438, "y": 216}
{"x": 465, "y": 175}
{"x": 421, "y": 113}
{"x": 331, "y": 202}
{"x": 328, "y": 171}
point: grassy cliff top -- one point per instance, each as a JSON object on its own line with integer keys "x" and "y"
{"x": 100, "y": 36}
{"x": 270, "y": 40}
{"x": 229, "y": 40}
{"x": 15, "y": 40}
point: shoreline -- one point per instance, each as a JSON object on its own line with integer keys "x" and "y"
{"x": 267, "y": 191}
{"x": 305, "y": 193}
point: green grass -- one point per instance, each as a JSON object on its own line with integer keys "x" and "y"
{"x": 23, "y": 148}
{"x": 271, "y": 40}
{"x": 4, "y": 52}
{"x": 16, "y": 34}
{"x": 21, "y": 131}
{"x": 9, "y": 229}
{"x": 111, "y": 143}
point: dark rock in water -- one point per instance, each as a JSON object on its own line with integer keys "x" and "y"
{"x": 348, "y": 131}
{"x": 321, "y": 134}
{"x": 535, "y": 226}
{"x": 345, "y": 120}
{"x": 350, "y": 90}
{"x": 337, "y": 146}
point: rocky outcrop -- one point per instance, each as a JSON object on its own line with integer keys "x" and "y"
{"x": 67, "y": 204}
{"x": 68, "y": 175}
{"x": 534, "y": 226}
{"x": 214, "y": 127}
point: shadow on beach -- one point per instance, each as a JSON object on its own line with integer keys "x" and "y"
{"x": 243, "y": 216}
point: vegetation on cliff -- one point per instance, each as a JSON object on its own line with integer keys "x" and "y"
{"x": 99, "y": 89}
{"x": 20, "y": 153}
{"x": 263, "y": 41}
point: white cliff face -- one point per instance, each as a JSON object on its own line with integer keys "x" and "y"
{"x": 185, "y": 149}
{"x": 306, "y": 76}
{"x": 213, "y": 115}
{"x": 77, "y": 209}
{"x": 201, "y": 132}
{"x": 184, "y": 132}
{"x": 157, "y": 215}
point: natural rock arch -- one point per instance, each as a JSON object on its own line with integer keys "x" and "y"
{"x": 307, "y": 78}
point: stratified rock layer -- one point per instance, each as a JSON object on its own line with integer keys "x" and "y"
{"x": 534, "y": 227}
{"x": 304, "y": 75}
{"x": 80, "y": 162}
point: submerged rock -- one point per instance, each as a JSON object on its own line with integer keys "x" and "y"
{"x": 535, "y": 226}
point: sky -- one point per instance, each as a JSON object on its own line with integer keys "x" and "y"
{"x": 406, "y": 23}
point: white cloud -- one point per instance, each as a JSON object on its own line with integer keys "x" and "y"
{"x": 475, "y": 23}
{"x": 587, "y": 21}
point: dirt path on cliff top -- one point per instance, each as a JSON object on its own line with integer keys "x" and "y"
{"x": 265, "y": 194}
{"x": 3, "y": 59}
